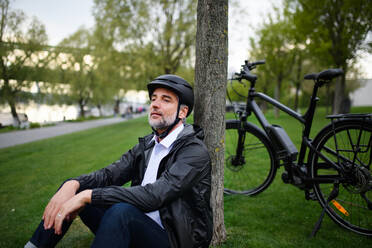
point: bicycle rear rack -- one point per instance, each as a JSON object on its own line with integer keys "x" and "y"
{"x": 361, "y": 148}
{"x": 350, "y": 116}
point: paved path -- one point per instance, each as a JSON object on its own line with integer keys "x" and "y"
{"x": 25, "y": 136}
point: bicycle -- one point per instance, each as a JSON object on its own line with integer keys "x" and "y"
{"x": 337, "y": 171}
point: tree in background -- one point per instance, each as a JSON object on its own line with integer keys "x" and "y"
{"x": 174, "y": 32}
{"x": 274, "y": 44}
{"x": 336, "y": 30}
{"x": 210, "y": 90}
{"x": 110, "y": 75}
{"x": 20, "y": 53}
{"x": 77, "y": 67}
{"x": 161, "y": 38}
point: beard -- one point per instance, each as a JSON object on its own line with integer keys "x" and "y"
{"x": 163, "y": 122}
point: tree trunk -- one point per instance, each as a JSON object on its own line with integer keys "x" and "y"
{"x": 99, "y": 109}
{"x": 277, "y": 96}
{"x": 16, "y": 121}
{"x": 10, "y": 98}
{"x": 339, "y": 97}
{"x": 210, "y": 96}
{"x": 297, "y": 96}
{"x": 298, "y": 80}
{"x": 117, "y": 107}
{"x": 81, "y": 106}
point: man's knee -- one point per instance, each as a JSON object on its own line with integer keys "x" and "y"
{"x": 121, "y": 212}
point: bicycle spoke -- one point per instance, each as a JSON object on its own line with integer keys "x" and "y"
{"x": 252, "y": 171}
{"x": 350, "y": 148}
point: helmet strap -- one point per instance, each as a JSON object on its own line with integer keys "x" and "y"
{"x": 169, "y": 128}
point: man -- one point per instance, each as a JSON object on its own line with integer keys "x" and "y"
{"x": 168, "y": 203}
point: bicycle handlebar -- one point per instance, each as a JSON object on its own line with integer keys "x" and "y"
{"x": 252, "y": 65}
{"x": 259, "y": 62}
{"x": 245, "y": 71}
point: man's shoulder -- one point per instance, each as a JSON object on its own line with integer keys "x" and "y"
{"x": 146, "y": 139}
{"x": 144, "y": 143}
{"x": 192, "y": 131}
{"x": 194, "y": 140}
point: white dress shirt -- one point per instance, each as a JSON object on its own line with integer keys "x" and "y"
{"x": 160, "y": 150}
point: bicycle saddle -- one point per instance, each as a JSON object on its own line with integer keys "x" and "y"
{"x": 326, "y": 75}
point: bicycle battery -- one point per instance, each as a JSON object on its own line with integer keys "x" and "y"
{"x": 282, "y": 143}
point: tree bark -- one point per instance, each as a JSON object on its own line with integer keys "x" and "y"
{"x": 210, "y": 96}
{"x": 299, "y": 64}
{"x": 277, "y": 90}
{"x": 339, "y": 98}
{"x": 10, "y": 98}
{"x": 13, "y": 110}
{"x": 297, "y": 96}
{"x": 329, "y": 99}
{"x": 81, "y": 106}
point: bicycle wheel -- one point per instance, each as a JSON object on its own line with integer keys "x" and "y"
{"x": 258, "y": 167}
{"x": 352, "y": 208}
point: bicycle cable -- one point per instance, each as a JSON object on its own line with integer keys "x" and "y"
{"x": 236, "y": 92}
{"x": 228, "y": 96}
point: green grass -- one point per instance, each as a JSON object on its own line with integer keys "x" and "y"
{"x": 30, "y": 174}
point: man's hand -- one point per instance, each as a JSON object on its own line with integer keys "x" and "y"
{"x": 65, "y": 193}
{"x": 71, "y": 208}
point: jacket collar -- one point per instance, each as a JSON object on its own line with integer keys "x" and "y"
{"x": 188, "y": 130}
{"x": 170, "y": 138}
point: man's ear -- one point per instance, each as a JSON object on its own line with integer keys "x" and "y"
{"x": 183, "y": 112}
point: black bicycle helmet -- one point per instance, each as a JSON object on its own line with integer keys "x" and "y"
{"x": 179, "y": 86}
{"x": 176, "y": 84}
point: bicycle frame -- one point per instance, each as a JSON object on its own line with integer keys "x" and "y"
{"x": 305, "y": 119}
{"x": 338, "y": 156}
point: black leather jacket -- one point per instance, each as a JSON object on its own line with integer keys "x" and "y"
{"x": 181, "y": 192}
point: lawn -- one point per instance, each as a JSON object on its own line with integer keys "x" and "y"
{"x": 30, "y": 174}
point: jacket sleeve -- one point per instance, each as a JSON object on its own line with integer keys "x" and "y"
{"x": 117, "y": 173}
{"x": 190, "y": 165}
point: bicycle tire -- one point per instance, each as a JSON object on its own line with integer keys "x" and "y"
{"x": 259, "y": 168}
{"x": 354, "y": 214}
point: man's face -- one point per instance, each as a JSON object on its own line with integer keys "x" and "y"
{"x": 163, "y": 108}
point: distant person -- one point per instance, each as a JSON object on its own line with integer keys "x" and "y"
{"x": 129, "y": 112}
{"x": 168, "y": 203}
{"x": 116, "y": 109}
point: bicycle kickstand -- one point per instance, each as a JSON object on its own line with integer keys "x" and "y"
{"x": 331, "y": 197}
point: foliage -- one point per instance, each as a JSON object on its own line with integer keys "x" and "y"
{"x": 95, "y": 67}
{"x": 279, "y": 45}
{"x": 77, "y": 68}
{"x": 21, "y": 53}
{"x": 111, "y": 75}
{"x": 159, "y": 41}
{"x": 335, "y": 30}
{"x": 305, "y": 37}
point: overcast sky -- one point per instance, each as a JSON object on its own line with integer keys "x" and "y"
{"x": 63, "y": 17}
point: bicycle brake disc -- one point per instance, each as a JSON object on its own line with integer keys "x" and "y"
{"x": 232, "y": 165}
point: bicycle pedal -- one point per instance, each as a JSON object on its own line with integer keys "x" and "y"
{"x": 310, "y": 195}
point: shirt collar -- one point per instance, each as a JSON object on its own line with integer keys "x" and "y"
{"x": 170, "y": 138}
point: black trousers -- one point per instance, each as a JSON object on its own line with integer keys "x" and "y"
{"x": 121, "y": 225}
